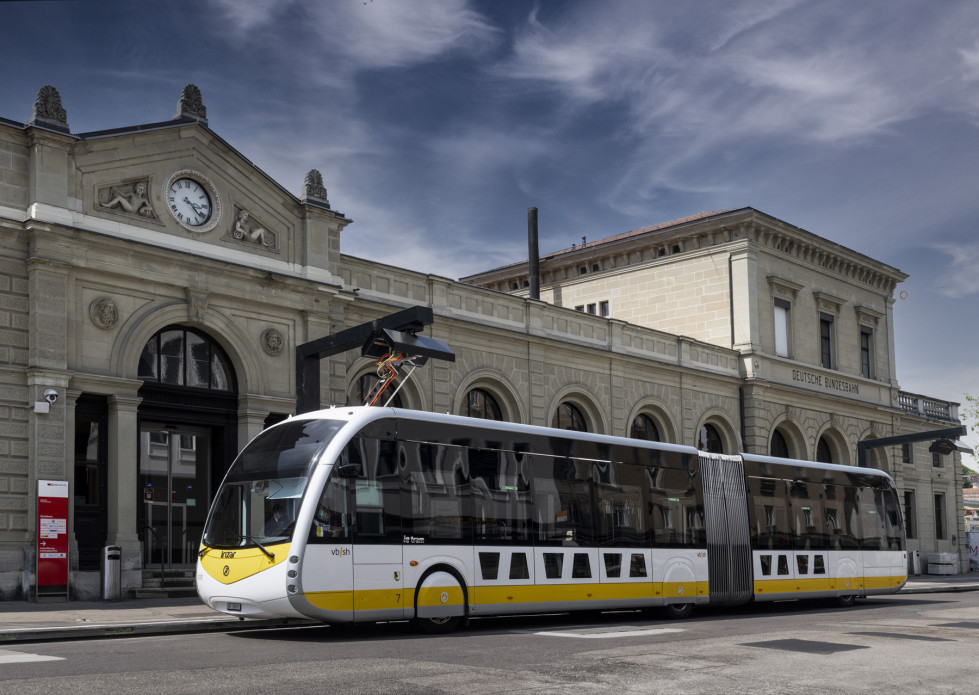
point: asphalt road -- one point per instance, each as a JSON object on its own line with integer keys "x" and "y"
{"x": 906, "y": 643}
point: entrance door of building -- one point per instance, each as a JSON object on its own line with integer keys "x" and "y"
{"x": 174, "y": 490}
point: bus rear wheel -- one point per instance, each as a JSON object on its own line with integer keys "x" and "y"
{"x": 846, "y": 601}
{"x": 678, "y": 611}
{"x": 437, "y": 626}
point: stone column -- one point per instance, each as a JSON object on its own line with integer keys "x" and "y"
{"x": 71, "y": 398}
{"x": 122, "y": 481}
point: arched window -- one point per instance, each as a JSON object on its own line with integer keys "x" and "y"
{"x": 480, "y": 403}
{"x": 366, "y": 383}
{"x": 779, "y": 447}
{"x": 643, "y": 427}
{"x": 569, "y": 417}
{"x": 181, "y": 356}
{"x": 710, "y": 440}
{"x": 823, "y": 453}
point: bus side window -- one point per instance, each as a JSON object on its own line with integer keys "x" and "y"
{"x": 332, "y": 518}
{"x": 502, "y": 506}
{"x": 435, "y": 492}
{"x": 377, "y": 494}
{"x": 563, "y": 491}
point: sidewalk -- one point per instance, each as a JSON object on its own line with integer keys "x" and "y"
{"x": 21, "y": 621}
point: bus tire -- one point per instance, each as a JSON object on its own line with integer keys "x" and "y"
{"x": 442, "y": 588}
{"x": 846, "y": 601}
{"x": 678, "y": 611}
{"x": 437, "y": 626}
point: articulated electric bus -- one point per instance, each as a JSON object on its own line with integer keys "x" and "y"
{"x": 374, "y": 514}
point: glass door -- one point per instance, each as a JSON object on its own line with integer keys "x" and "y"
{"x": 174, "y": 489}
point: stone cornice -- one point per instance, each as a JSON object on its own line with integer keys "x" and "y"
{"x": 718, "y": 231}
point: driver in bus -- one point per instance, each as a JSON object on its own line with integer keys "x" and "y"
{"x": 278, "y": 522}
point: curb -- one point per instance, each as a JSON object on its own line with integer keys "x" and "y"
{"x": 141, "y": 629}
{"x": 941, "y": 589}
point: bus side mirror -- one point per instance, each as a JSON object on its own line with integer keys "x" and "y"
{"x": 348, "y": 470}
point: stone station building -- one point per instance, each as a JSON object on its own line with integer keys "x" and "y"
{"x": 158, "y": 283}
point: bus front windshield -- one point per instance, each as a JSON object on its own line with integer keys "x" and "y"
{"x": 259, "y": 498}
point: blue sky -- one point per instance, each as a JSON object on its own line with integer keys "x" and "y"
{"x": 437, "y": 124}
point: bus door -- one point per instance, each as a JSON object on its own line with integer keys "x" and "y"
{"x": 884, "y": 562}
{"x": 379, "y": 591}
{"x": 726, "y": 515}
{"x": 328, "y": 568}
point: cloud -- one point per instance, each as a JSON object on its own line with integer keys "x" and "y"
{"x": 820, "y": 79}
{"x": 353, "y": 36}
{"x": 961, "y": 278}
{"x": 970, "y": 61}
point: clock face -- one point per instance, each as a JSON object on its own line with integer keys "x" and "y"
{"x": 189, "y": 202}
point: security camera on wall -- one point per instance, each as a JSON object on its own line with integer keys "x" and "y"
{"x": 50, "y": 397}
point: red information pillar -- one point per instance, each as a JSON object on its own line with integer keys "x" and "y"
{"x": 52, "y": 537}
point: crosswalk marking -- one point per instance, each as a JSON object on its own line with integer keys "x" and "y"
{"x": 603, "y": 634}
{"x": 10, "y": 657}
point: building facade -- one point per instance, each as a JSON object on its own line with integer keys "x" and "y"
{"x": 157, "y": 284}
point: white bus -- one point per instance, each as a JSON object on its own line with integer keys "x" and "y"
{"x": 374, "y": 514}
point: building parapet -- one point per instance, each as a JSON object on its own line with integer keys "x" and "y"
{"x": 930, "y": 408}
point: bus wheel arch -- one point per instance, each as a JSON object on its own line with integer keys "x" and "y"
{"x": 441, "y": 600}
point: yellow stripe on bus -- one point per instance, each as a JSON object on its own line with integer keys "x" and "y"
{"x": 790, "y": 586}
{"x": 386, "y": 599}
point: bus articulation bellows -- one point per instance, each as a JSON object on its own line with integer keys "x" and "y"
{"x": 373, "y": 514}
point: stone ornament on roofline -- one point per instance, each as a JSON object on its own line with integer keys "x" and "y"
{"x": 246, "y": 229}
{"x": 48, "y": 111}
{"x": 313, "y": 188}
{"x": 128, "y": 197}
{"x": 191, "y": 105}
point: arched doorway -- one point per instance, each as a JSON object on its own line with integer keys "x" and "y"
{"x": 187, "y": 439}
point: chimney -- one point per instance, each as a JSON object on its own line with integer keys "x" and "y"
{"x": 533, "y": 263}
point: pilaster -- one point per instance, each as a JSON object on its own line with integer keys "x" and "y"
{"x": 745, "y": 332}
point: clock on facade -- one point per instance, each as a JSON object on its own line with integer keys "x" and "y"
{"x": 192, "y": 201}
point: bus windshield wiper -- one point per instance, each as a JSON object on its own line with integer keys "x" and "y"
{"x": 271, "y": 556}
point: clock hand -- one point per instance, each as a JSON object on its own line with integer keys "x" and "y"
{"x": 194, "y": 205}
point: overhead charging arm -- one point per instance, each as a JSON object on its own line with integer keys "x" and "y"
{"x": 939, "y": 435}
{"x": 396, "y": 332}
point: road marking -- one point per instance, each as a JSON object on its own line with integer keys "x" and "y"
{"x": 9, "y": 657}
{"x": 599, "y": 633}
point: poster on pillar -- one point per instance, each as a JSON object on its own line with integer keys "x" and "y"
{"x": 52, "y": 536}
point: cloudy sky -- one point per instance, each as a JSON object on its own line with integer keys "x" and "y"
{"x": 437, "y": 124}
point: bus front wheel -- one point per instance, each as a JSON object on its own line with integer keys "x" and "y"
{"x": 678, "y": 611}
